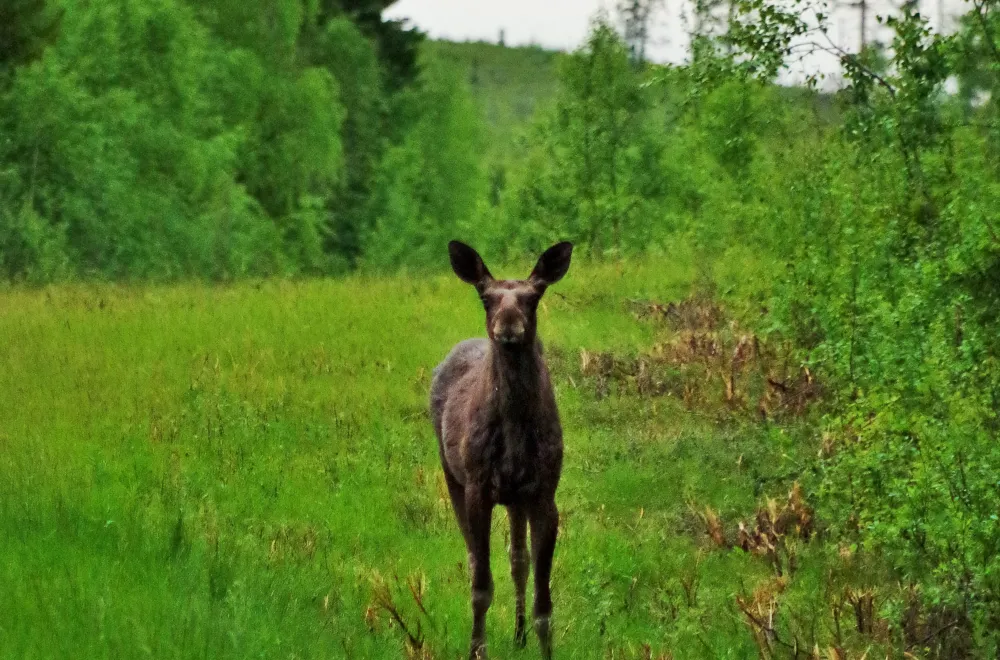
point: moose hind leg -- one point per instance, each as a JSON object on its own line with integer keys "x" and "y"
{"x": 544, "y": 518}
{"x": 519, "y": 568}
{"x": 480, "y": 513}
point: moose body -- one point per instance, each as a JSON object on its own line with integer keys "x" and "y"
{"x": 499, "y": 437}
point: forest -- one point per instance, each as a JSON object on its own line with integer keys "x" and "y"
{"x": 219, "y": 220}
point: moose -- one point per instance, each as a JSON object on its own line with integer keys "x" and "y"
{"x": 499, "y": 436}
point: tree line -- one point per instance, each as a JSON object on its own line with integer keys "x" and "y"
{"x": 216, "y": 139}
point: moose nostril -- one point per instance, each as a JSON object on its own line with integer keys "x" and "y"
{"x": 509, "y": 332}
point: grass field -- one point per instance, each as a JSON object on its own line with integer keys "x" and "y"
{"x": 249, "y": 471}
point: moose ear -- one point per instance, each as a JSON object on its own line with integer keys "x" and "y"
{"x": 553, "y": 264}
{"x": 467, "y": 264}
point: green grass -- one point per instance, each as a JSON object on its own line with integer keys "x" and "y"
{"x": 197, "y": 471}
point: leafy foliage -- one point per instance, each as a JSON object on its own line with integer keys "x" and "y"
{"x": 167, "y": 139}
{"x": 427, "y": 186}
{"x": 891, "y": 286}
{"x": 26, "y": 26}
{"x": 592, "y": 175}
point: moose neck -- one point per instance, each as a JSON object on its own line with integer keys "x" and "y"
{"x": 515, "y": 372}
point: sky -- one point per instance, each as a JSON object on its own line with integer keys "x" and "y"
{"x": 563, "y": 24}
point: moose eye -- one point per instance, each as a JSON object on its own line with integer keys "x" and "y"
{"x": 529, "y": 299}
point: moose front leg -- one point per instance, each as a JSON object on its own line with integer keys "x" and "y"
{"x": 480, "y": 514}
{"x": 544, "y": 518}
{"x": 519, "y": 568}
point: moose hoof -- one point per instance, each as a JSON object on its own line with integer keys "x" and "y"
{"x": 544, "y": 636}
{"x": 478, "y": 652}
{"x": 520, "y": 635}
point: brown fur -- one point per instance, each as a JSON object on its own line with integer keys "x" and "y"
{"x": 499, "y": 436}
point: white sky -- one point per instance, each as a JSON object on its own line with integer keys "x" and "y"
{"x": 563, "y": 24}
